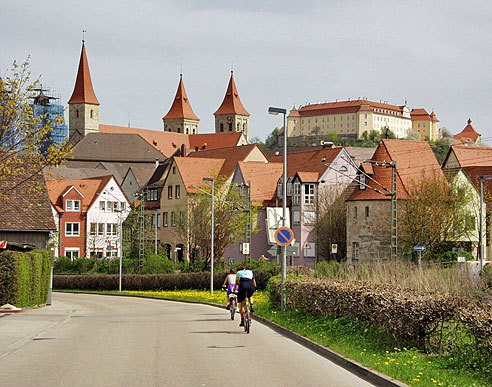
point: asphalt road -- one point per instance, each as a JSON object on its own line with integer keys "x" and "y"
{"x": 92, "y": 340}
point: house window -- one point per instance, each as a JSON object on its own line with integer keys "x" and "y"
{"x": 296, "y": 217}
{"x": 174, "y": 170}
{"x": 173, "y": 219}
{"x": 109, "y": 207}
{"x": 170, "y": 192}
{"x": 221, "y": 127}
{"x": 309, "y": 193}
{"x": 100, "y": 229}
{"x": 309, "y": 217}
{"x": 289, "y": 188}
{"x": 343, "y": 168}
{"x": 72, "y": 205}
{"x": 181, "y": 218}
{"x": 280, "y": 187}
{"x": 355, "y": 251}
{"x": 123, "y": 206}
{"x": 102, "y": 206}
{"x": 164, "y": 219}
{"x": 355, "y": 212}
{"x": 362, "y": 181}
{"x": 156, "y": 220}
{"x": 178, "y": 189}
{"x": 72, "y": 253}
{"x": 92, "y": 112}
{"x": 72, "y": 229}
{"x": 93, "y": 228}
{"x": 230, "y": 126}
{"x": 115, "y": 207}
{"x": 297, "y": 193}
{"x": 77, "y": 113}
{"x": 111, "y": 229}
{"x": 367, "y": 211}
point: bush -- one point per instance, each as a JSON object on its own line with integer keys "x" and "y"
{"x": 154, "y": 264}
{"x": 25, "y": 277}
{"x": 450, "y": 257}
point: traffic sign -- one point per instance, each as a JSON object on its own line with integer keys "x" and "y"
{"x": 306, "y": 246}
{"x": 419, "y": 248}
{"x": 334, "y": 248}
{"x": 283, "y": 236}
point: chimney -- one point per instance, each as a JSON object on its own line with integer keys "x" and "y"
{"x": 183, "y": 150}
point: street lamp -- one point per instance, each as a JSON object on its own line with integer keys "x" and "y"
{"x": 276, "y": 111}
{"x": 482, "y": 178}
{"x": 208, "y": 179}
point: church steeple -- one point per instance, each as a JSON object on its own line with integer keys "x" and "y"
{"x": 231, "y": 115}
{"x": 181, "y": 118}
{"x": 83, "y": 105}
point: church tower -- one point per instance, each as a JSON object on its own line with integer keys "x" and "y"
{"x": 181, "y": 118}
{"x": 83, "y": 111}
{"x": 231, "y": 115}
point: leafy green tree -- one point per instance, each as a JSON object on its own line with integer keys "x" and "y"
{"x": 272, "y": 140}
{"x": 333, "y": 137}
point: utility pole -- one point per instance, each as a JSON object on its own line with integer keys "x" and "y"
{"x": 394, "y": 213}
{"x": 141, "y": 248}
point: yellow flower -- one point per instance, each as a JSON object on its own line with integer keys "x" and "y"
{"x": 386, "y": 363}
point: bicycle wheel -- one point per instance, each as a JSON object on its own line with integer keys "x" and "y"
{"x": 246, "y": 320}
{"x": 233, "y": 309}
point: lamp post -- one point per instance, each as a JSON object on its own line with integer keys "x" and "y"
{"x": 208, "y": 179}
{"x": 275, "y": 111}
{"x": 480, "y": 237}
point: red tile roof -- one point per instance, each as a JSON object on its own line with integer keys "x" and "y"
{"x": 170, "y": 142}
{"x": 89, "y": 188}
{"x": 193, "y": 170}
{"x": 232, "y": 103}
{"x": 308, "y": 161}
{"x": 181, "y": 107}
{"x": 83, "y": 91}
{"x": 472, "y": 156}
{"x": 263, "y": 178}
{"x": 231, "y": 156}
{"x": 414, "y": 159}
{"x": 308, "y": 177}
{"x": 294, "y": 113}
{"x": 468, "y": 134}
{"x": 473, "y": 173}
{"x": 349, "y": 107}
{"x": 422, "y": 115}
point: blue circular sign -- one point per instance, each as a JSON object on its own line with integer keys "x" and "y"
{"x": 284, "y": 236}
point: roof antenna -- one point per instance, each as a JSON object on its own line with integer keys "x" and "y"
{"x": 83, "y": 36}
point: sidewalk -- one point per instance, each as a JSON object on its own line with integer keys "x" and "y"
{"x": 17, "y": 329}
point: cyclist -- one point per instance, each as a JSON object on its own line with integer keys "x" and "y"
{"x": 245, "y": 286}
{"x": 229, "y": 281}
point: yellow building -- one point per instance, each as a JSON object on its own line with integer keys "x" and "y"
{"x": 349, "y": 119}
{"x": 425, "y": 125}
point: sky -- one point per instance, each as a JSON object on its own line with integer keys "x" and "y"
{"x": 436, "y": 55}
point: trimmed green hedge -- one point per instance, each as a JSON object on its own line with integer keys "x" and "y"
{"x": 179, "y": 281}
{"x": 25, "y": 277}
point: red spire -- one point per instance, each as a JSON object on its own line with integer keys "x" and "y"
{"x": 181, "y": 107}
{"x": 232, "y": 103}
{"x": 83, "y": 91}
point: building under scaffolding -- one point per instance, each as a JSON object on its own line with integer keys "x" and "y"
{"x": 49, "y": 108}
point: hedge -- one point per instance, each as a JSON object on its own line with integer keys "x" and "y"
{"x": 178, "y": 281}
{"x": 413, "y": 318}
{"x": 25, "y": 277}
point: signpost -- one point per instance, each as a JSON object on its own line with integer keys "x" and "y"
{"x": 334, "y": 248}
{"x": 419, "y": 249}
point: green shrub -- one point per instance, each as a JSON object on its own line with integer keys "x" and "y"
{"x": 25, "y": 277}
{"x": 155, "y": 264}
{"x": 257, "y": 265}
{"x": 450, "y": 257}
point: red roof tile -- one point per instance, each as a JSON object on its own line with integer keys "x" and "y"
{"x": 214, "y": 140}
{"x": 422, "y": 115}
{"x": 83, "y": 91}
{"x": 468, "y": 134}
{"x": 263, "y": 178}
{"x": 193, "y": 170}
{"x": 232, "y": 103}
{"x": 349, "y": 107}
{"x": 472, "y": 156}
{"x": 308, "y": 177}
{"x": 181, "y": 107}
{"x": 308, "y": 161}
{"x": 231, "y": 156}
{"x": 414, "y": 159}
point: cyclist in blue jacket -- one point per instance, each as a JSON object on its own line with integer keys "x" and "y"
{"x": 245, "y": 286}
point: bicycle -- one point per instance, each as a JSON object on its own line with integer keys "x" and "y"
{"x": 247, "y": 318}
{"x": 233, "y": 304}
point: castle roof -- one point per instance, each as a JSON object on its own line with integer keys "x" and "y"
{"x": 232, "y": 103}
{"x": 181, "y": 107}
{"x": 83, "y": 91}
{"x": 422, "y": 115}
{"x": 468, "y": 134}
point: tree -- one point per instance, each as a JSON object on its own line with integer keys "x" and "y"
{"x": 316, "y": 130}
{"x": 22, "y": 135}
{"x": 331, "y": 222}
{"x": 412, "y": 135}
{"x": 386, "y": 132}
{"x": 332, "y": 137}
{"x": 434, "y": 214}
{"x": 272, "y": 140}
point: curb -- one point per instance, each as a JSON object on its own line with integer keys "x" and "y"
{"x": 352, "y": 366}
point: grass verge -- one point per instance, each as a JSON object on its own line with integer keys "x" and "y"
{"x": 356, "y": 340}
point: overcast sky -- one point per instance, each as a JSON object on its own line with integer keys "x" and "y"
{"x": 435, "y": 54}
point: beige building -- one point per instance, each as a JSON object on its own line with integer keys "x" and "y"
{"x": 349, "y": 119}
{"x": 425, "y": 125}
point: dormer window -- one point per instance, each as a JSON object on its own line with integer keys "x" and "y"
{"x": 297, "y": 193}
{"x": 280, "y": 188}
{"x": 289, "y": 187}
{"x": 72, "y": 205}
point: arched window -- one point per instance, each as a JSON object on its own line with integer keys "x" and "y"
{"x": 77, "y": 113}
{"x": 237, "y": 127}
{"x": 186, "y": 131}
{"x": 92, "y": 113}
{"x": 230, "y": 126}
{"x": 221, "y": 127}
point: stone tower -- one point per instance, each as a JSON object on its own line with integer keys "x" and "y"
{"x": 83, "y": 111}
{"x": 231, "y": 115}
{"x": 181, "y": 118}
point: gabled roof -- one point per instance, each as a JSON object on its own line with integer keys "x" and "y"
{"x": 115, "y": 148}
{"x": 230, "y": 156}
{"x": 471, "y": 156}
{"x": 263, "y": 178}
{"x": 294, "y": 112}
{"x": 168, "y": 143}
{"x": 232, "y": 103}
{"x": 308, "y": 161}
{"x": 83, "y": 91}
{"x": 422, "y": 115}
{"x": 414, "y": 159}
{"x": 193, "y": 170}
{"x": 473, "y": 174}
{"x": 89, "y": 188}
{"x": 308, "y": 177}
{"x": 24, "y": 210}
{"x": 181, "y": 107}
{"x": 468, "y": 134}
{"x": 353, "y": 106}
